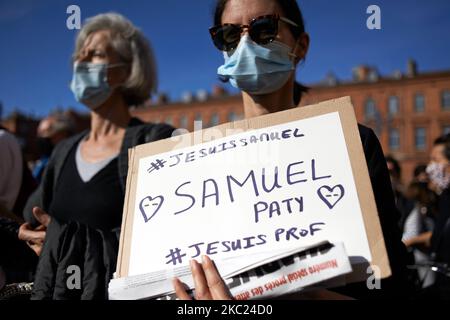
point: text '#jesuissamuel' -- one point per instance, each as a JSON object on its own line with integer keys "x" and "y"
{"x": 185, "y": 157}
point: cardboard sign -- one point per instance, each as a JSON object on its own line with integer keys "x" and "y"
{"x": 267, "y": 183}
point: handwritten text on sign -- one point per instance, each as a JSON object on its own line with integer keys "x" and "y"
{"x": 258, "y": 190}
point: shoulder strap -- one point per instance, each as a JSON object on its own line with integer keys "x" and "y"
{"x": 139, "y": 133}
{"x": 157, "y": 131}
{"x": 129, "y": 141}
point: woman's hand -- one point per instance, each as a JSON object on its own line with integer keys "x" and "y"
{"x": 209, "y": 285}
{"x": 34, "y": 237}
{"x": 422, "y": 241}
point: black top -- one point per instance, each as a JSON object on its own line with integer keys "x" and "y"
{"x": 397, "y": 284}
{"x": 97, "y": 203}
{"x": 440, "y": 241}
{"x": 76, "y": 243}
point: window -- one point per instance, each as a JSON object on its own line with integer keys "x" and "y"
{"x": 419, "y": 103}
{"x": 446, "y": 129}
{"x": 445, "y": 100}
{"x": 214, "y": 121}
{"x": 169, "y": 120}
{"x": 393, "y": 105}
{"x": 369, "y": 109}
{"x": 420, "y": 138}
{"x": 232, "y": 116}
{"x": 183, "y": 122}
{"x": 198, "y": 116}
{"x": 198, "y": 121}
{"x": 394, "y": 139}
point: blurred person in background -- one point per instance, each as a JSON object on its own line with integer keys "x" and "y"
{"x": 10, "y": 170}
{"x": 51, "y": 130}
{"x": 17, "y": 262}
{"x": 420, "y": 174}
{"x": 16, "y": 181}
{"x": 418, "y": 227}
{"x": 78, "y": 206}
{"x": 439, "y": 172}
{"x": 404, "y": 205}
{"x": 437, "y": 169}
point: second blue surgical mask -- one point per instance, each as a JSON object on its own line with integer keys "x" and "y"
{"x": 258, "y": 69}
{"x": 90, "y": 83}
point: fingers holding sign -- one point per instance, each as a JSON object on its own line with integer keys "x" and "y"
{"x": 209, "y": 285}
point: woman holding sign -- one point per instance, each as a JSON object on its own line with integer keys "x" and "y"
{"x": 262, "y": 42}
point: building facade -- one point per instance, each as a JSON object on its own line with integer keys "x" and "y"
{"x": 211, "y": 112}
{"x": 406, "y": 111}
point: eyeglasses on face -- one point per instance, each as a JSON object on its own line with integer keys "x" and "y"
{"x": 261, "y": 30}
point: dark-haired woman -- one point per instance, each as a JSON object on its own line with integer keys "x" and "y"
{"x": 262, "y": 42}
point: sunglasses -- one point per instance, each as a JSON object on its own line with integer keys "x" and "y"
{"x": 261, "y": 30}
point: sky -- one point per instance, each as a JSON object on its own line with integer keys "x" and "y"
{"x": 36, "y": 45}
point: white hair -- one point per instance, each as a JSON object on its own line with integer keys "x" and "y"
{"x": 132, "y": 47}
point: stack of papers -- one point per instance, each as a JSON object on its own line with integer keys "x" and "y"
{"x": 256, "y": 276}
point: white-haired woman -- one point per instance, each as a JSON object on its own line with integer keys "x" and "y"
{"x": 80, "y": 199}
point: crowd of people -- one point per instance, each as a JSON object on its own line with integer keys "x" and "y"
{"x": 67, "y": 209}
{"x": 424, "y": 209}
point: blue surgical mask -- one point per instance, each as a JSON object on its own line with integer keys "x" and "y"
{"x": 90, "y": 83}
{"x": 258, "y": 69}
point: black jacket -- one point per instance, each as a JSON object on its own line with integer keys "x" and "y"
{"x": 440, "y": 244}
{"x": 96, "y": 252}
{"x": 93, "y": 251}
{"x": 397, "y": 285}
{"x": 440, "y": 241}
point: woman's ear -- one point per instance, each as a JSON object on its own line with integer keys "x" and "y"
{"x": 301, "y": 47}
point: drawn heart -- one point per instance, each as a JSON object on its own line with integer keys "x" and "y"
{"x": 331, "y": 196}
{"x": 149, "y": 206}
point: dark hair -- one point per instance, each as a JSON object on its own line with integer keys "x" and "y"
{"x": 421, "y": 168}
{"x": 397, "y": 169}
{"x": 290, "y": 8}
{"x": 444, "y": 140}
{"x": 420, "y": 192}
{"x": 292, "y": 12}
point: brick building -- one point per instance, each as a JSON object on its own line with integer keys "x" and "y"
{"x": 406, "y": 110}
{"x": 219, "y": 107}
